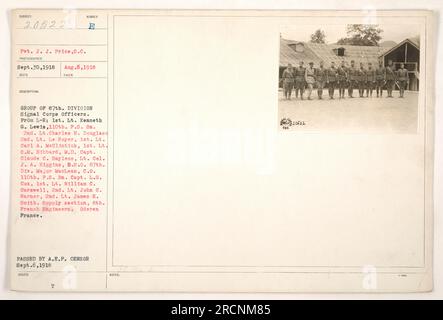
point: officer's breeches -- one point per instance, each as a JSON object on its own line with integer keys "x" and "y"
{"x": 390, "y": 85}
{"x": 379, "y": 84}
{"x": 320, "y": 86}
{"x": 402, "y": 84}
{"x": 287, "y": 86}
{"x": 331, "y": 88}
{"x": 352, "y": 85}
{"x": 299, "y": 86}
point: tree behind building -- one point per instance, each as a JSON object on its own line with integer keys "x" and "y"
{"x": 318, "y": 36}
{"x": 362, "y": 35}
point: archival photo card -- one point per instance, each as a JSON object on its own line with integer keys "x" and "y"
{"x": 222, "y": 150}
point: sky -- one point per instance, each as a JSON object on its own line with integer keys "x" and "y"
{"x": 335, "y": 32}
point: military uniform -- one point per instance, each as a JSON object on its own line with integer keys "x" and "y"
{"x": 390, "y": 80}
{"x": 288, "y": 82}
{"x": 310, "y": 80}
{"x": 342, "y": 80}
{"x": 331, "y": 79}
{"x": 352, "y": 77}
{"x": 370, "y": 81}
{"x": 380, "y": 78}
{"x": 361, "y": 76}
{"x": 403, "y": 78}
{"x": 299, "y": 81}
{"x": 320, "y": 77}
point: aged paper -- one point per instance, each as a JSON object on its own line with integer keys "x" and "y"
{"x": 222, "y": 151}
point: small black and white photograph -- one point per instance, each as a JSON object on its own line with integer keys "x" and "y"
{"x": 349, "y": 77}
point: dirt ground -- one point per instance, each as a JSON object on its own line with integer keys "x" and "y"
{"x": 374, "y": 114}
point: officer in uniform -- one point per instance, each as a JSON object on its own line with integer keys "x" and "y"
{"x": 331, "y": 79}
{"x": 342, "y": 79}
{"x": 361, "y": 74}
{"x": 310, "y": 78}
{"x": 370, "y": 80}
{"x": 390, "y": 78}
{"x": 320, "y": 77}
{"x": 300, "y": 80}
{"x": 352, "y": 77}
{"x": 403, "y": 79}
{"x": 380, "y": 79}
{"x": 288, "y": 81}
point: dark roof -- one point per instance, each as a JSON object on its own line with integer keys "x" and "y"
{"x": 289, "y": 55}
{"x": 325, "y": 52}
{"x": 359, "y": 54}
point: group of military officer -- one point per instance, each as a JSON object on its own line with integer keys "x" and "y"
{"x": 344, "y": 77}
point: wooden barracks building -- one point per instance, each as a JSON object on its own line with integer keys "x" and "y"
{"x": 407, "y": 52}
